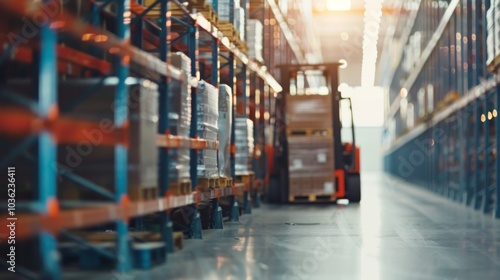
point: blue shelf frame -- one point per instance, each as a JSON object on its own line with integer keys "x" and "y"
{"x": 470, "y": 128}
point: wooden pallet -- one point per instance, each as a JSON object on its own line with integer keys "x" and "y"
{"x": 225, "y": 182}
{"x": 207, "y": 183}
{"x": 297, "y": 198}
{"x": 148, "y": 236}
{"x": 309, "y": 132}
{"x": 209, "y": 13}
{"x": 247, "y": 179}
{"x": 180, "y": 187}
{"x": 228, "y": 30}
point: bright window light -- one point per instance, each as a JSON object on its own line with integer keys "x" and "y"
{"x": 338, "y": 5}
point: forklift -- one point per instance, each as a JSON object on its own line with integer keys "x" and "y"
{"x": 346, "y": 155}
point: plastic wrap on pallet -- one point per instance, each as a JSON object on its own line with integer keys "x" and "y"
{"x": 208, "y": 118}
{"x": 224, "y": 135}
{"x": 179, "y": 117}
{"x": 493, "y": 31}
{"x": 239, "y": 22}
{"x": 311, "y": 165}
{"x": 255, "y": 39}
{"x": 91, "y": 160}
{"x": 224, "y": 8}
{"x": 244, "y": 140}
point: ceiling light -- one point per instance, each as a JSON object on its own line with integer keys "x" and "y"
{"x": 344, "y": 36}
{"x": 343, "y": 87}
{"x": 343, "y": 63}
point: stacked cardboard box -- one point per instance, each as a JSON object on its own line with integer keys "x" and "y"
{"x": 309, "y": 111}
{"x": 310, "y": 157}
{"x": 311, "y": 165}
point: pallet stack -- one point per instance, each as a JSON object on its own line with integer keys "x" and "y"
{"x": 179, "y": 125}
{"x": 255, "y": 39}
{"x": 244, "y": 141}
{"x": 493, "y": 38}
{"x": 208, "y": 119}
{"x": 224, "y": 134}
{"x": 92, "y": 159}
{"x": 310, "y": 147}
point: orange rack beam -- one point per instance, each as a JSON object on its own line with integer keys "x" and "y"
{"x": 29, "y": 224}
{"x": 169, "y": 141}
{"x": 22, "y": 122}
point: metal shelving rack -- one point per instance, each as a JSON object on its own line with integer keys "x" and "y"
{"x": 130, "y": 55}
{"x": 452, "y": 148}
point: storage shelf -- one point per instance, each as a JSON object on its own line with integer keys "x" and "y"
{"x": 95, "y": 36}
{"x": 30, "y": 224}
{"x": 64, "y": 130}
{"x": 225, "y": 43}
{"x": 187, "y": 143}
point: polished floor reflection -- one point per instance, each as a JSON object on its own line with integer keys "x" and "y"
{"x": 397, "y": 232}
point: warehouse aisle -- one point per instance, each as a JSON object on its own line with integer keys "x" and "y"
{"x": 398, "y": 232}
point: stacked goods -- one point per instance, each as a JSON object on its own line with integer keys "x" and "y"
{"x": 224, "y": 135}
{"x": 224, "y": 8}
{"x": 239, "y": 21}
{"x": 309, "y": 111}
{"x": 311, "y": 165}
{"x": 255, "y": 40}
{"x": 493, "y": 31}
{"x": 89, "y": 158}
{"x": 179, "y": 117}
{"x": 244, "y": 141}
{"x": 208, "y": 118}
{"x": 311, "y": 157}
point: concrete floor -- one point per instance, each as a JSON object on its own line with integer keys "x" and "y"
{"x": 397, "y": 232}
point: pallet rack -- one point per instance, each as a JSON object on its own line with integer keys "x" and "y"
{"x": 185, "y": 30}
{"x": 452, "y": 148}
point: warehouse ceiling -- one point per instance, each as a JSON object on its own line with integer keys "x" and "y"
{"x": 341, "y": 35}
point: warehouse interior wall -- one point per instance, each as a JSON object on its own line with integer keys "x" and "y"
{"x": 368, "y": 113}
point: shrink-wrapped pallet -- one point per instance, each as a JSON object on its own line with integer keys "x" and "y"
{"x": 224, "y": 135}
{"x": 244, "y": 142}
{"x": 91, "y": 158}
{"x": 207, "y": 128}
{"x": 179, "y": 117}
{"x": 254, "y": 40}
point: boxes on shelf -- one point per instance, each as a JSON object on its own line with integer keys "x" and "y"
{"x": 493, "y": 31}
{"x": 255, "y": 39}
{"x": 239, "y": 22}
{"x": 311, "y": 165}
{"x": 179, "y": 117}
{"x": 207, "y": 128}
{"x": 224, "y": 8}
{"x": 309, "y": 111}
{"x": 244, "y": 142}
{"x": 224, "y": 134}
{"x": 93, "y": 100}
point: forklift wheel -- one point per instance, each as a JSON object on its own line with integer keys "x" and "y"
{"x": 353, "y": 188}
